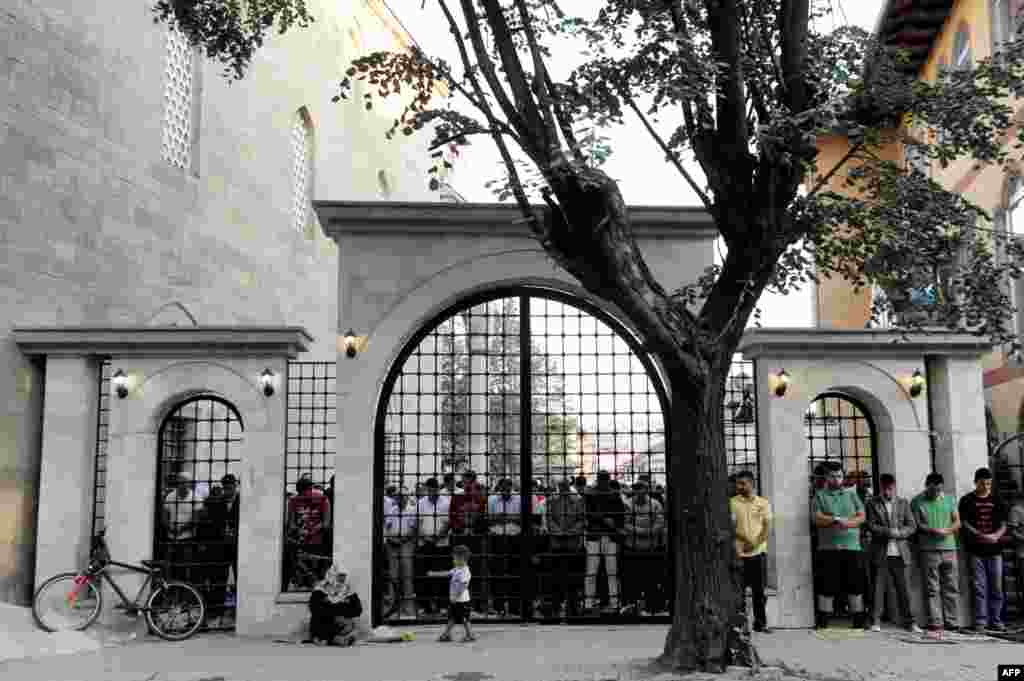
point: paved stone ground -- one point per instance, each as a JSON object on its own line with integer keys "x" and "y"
{"x": 518, "y": 654}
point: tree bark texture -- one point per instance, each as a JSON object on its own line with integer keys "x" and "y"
{"x": 709, "y": 630}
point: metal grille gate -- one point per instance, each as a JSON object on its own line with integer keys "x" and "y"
{"x": 99, "y": 479}
{"x": 526, "y": 388}
{"x": 1006, "y": 460}
{"x": 198, "y": 501}
{"x": 840, "y": 429}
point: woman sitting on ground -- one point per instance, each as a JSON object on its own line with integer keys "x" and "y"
{"x": 332, "y": 607}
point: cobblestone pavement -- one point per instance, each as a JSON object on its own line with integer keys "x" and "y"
{"x": 534, "y": 653}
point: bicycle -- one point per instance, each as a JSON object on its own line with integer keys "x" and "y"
{"x": 174, "y": 610}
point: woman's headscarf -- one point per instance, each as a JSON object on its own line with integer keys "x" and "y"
{"x": 335, "y": 584}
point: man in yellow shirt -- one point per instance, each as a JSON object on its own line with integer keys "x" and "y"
{"x": 753, "y": 516}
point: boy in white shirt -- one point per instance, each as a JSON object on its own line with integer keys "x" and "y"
{"x": 458, "y": 593}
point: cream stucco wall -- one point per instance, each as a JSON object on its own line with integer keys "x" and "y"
{"x": 95, "y": 228}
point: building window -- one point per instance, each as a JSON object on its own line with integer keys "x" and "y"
{"x": 180, "y": 110}
{"x": 302, "y": 170}
{"x": 1007, "y": 18}
{"x": 1013, "y": 223}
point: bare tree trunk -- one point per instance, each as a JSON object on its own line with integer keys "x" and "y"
{"x": 708, "y": 630}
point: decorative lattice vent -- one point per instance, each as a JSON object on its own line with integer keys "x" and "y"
{"x": 177, "y": 136}
{"x": 302, "y": 169}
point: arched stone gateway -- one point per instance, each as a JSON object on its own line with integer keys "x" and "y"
{"x": 197, "y": 507}
{"x": 840, "y": 429}
{"x": 455, "y": 400}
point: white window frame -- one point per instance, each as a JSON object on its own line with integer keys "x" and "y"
{"x": 189, "y": 119}
{"x": 303, "y": 156}
{"x": 1013, "y": 223}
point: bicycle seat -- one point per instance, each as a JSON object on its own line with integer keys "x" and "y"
{"x": 151, "y": 564}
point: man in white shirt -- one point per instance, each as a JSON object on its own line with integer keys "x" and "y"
{"x": 179, "y": 513}
{"x": 504, "y": 511}
{"x": 432, "y": 552}
{"x": 400, "y": 522}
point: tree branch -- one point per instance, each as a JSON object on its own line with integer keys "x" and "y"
{"x": 794, "y": 16}
{"x": 541, "y": 80}
{"x": 535, "y": 131}
{"x": 506, "y": 157}
{"x": 564, "y": 121}
{"x": 723, "y": 20}
{"x": 669, "y": 154}
{"x": 487, "y": 67}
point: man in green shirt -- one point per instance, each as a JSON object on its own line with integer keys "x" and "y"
{"x": 937, "y": 522}
{"x": 838, "y": 515}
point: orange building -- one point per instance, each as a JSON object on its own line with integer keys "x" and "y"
{"x": 950, "y": 35}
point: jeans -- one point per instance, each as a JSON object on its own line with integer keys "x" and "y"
{"x": 987, "y": 578}
{"x": 941, "y": 587}
{"x": 598, "y": 548}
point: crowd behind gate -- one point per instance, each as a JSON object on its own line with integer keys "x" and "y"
{"x": 597, "y": 548}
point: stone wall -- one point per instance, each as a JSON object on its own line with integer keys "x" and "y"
{"x": 95, "y": 228}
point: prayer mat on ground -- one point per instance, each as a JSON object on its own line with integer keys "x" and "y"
{"x": 837, "y": 634}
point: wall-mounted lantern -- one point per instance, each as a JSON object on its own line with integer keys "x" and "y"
{"x": 267, "y": 381}
{"x": 915, "y": 383}
{"x": 120, "y": 381}
{"x": 778, "y": 383}
{"x": 353, "y": 344}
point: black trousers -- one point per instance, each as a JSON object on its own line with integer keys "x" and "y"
{"x": 753, "y": 576}
{"x": 563, "y": 572}
{"x": 505, "y": 572}
{"x": 432, "y": 592}
{"x": 324, "y": 615}
{"x": 643, "y": 578}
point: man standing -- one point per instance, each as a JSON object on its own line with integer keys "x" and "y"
{"x": 938, "y": 521}
{"x": 605, "y": 520}
{"x": 645, "y": 568}
{"x": 466, "y": 516}
{"x": 753, "y": 521}
{"x": 984, "y": 518}
{"x": 892, "y": 524}
{"x": 504, "y": 511}
{"x": 565, "y": 522}
{"x": 838, "y": 515}
{"x": 400, "y": 550}
{"x": 432, "y": 516}
{"x": 179, "y": 516}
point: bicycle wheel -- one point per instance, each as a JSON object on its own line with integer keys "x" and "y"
{"x": 175, "y": 611}
{"x": 67, "y": 602}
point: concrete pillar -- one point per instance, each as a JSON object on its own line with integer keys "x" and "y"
{"x": 68, "y": 464}
{"x": 957, "y": 397}
{"x": 354, "y": 495}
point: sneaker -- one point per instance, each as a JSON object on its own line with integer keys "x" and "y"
{"x": 469, "y": 639}
{"x": 876, "y": 627}
{"x": 444, "y": 638}
{"x": 952, "y": 628}
{"x": 998, "y": 628}
{"x": 762, "y": 629}
{"x": 913, "y": 628}
{"x": 935, "y": 634}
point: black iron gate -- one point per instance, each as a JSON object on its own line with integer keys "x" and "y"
{"x": 839, "y": 429}
{"x": 196, "y": 524}
{"x": 491, "y": 432}
{"x": 1006, "y": 460}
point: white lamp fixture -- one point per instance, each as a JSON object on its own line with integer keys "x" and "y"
{"x": 353, "y": 344}
{"x": 120, "y": 381}
{"x": 267, "y": 381}
{"x": 916, "y": 384}
{"x": 779, "y": 383}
